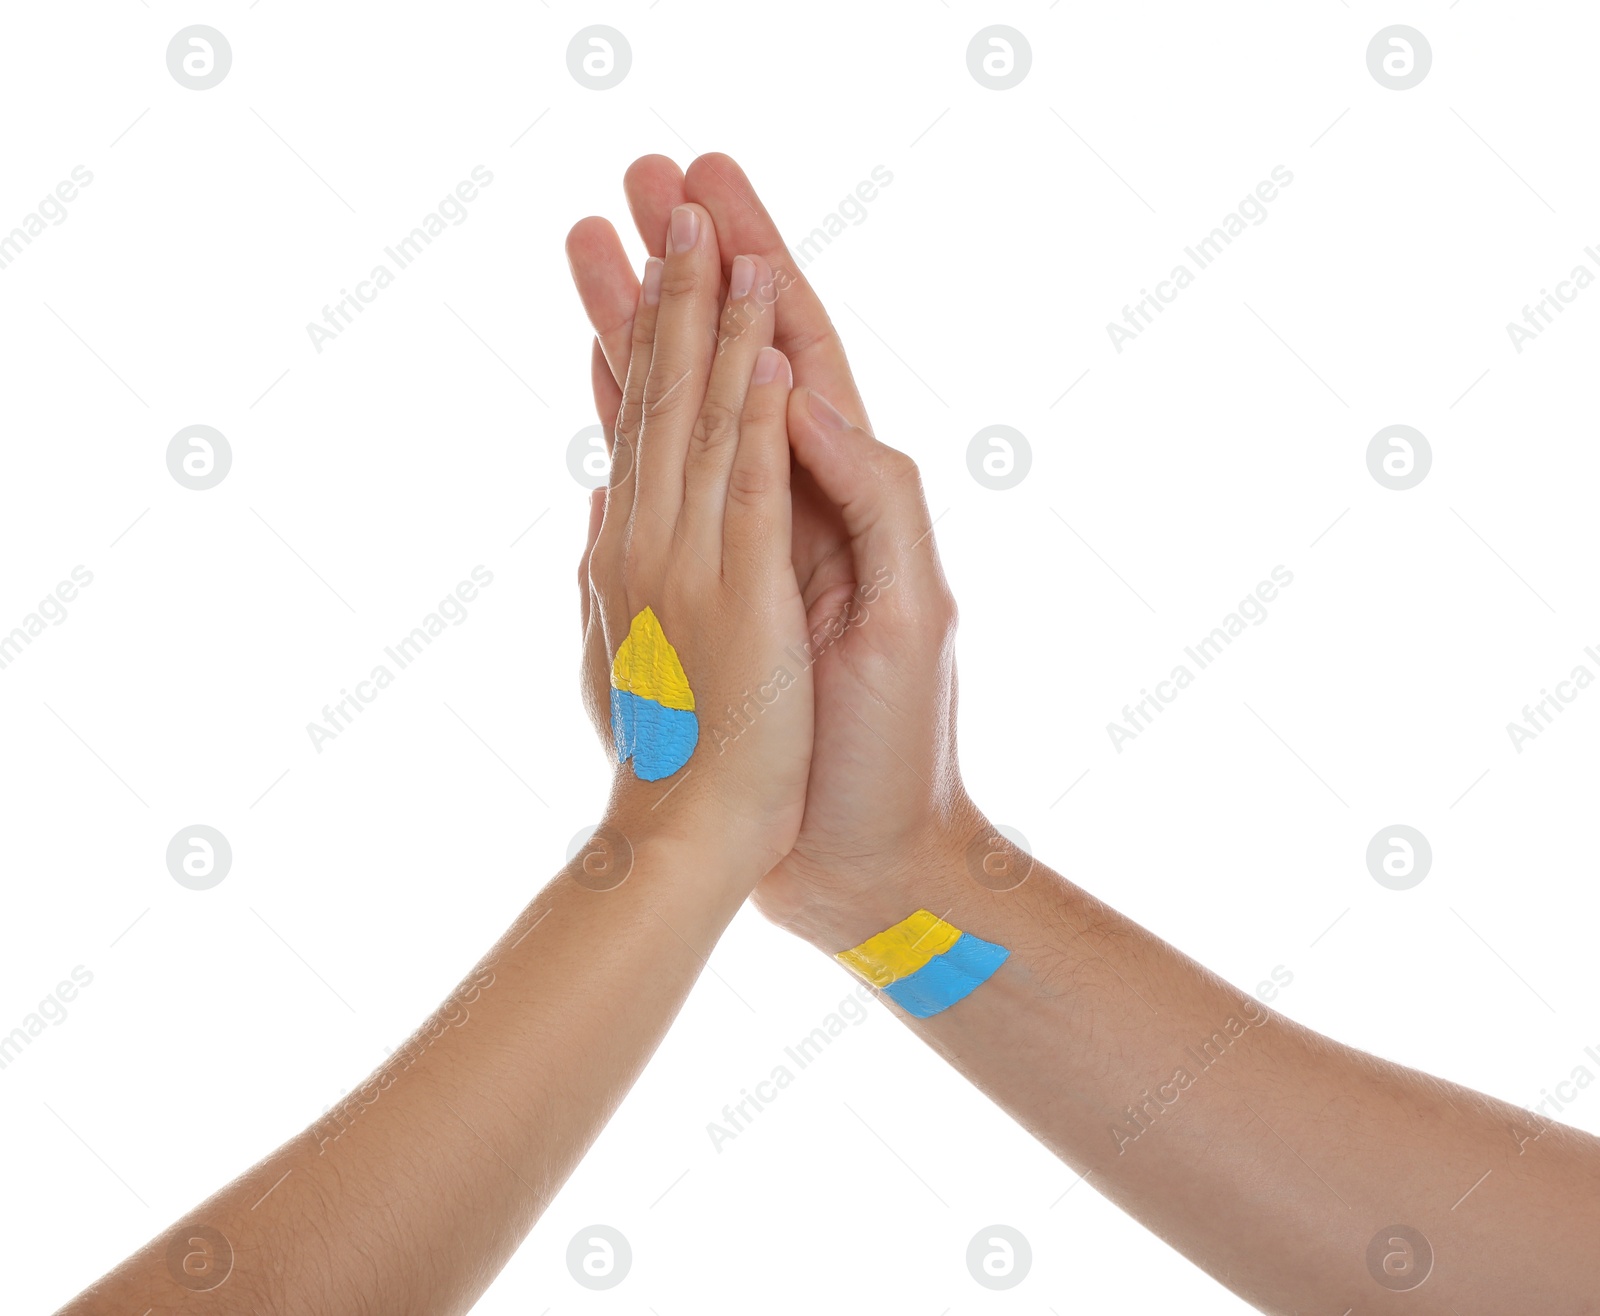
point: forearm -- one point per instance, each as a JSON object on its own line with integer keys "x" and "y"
{"x": 1269, "y": 1155}
{"x": 413, "y": 1192}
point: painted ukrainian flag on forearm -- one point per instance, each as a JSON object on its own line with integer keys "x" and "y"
{"x": 923, "y": 964}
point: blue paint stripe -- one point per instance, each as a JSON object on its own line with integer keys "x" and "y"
{"x": 659, "y": 740}
{"x": 945, "y": 979}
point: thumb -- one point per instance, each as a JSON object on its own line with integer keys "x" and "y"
{"x": 878, "y": 492}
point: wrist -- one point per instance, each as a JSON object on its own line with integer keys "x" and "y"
{"x": 837, "y": 900}
{"x": 683, "y": 836}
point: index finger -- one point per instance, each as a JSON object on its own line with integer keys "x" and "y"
{"x": 802, "y": 330}
{"x": 606, "y": 287}
{"x": 600, "y": 265}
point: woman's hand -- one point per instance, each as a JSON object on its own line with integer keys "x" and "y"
{"x": 691, "y": 621}
{"x": 692, "y": 617}
{"x": 879, "y": 618}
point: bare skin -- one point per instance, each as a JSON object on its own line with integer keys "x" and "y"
{"x": 1277, "y": 1159}
{"x": 413, "y": 1193}
{"x": 1294, "y": 1169}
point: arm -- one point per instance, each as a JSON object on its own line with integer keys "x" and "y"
{"x": 1277, "y": 1159}
{"x": 1273, "y": 1157}
{"x": 412, "y": 1194}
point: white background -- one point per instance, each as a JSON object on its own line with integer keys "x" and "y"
{"x": 369, "y": 479}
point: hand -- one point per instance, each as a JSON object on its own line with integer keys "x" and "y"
{"x": 884, "y": 785}
{"x": 690, "y": 605}
{"x": 1088, "y": 1007}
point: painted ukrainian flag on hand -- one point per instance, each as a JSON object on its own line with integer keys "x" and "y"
{"x": 652, "y": 707}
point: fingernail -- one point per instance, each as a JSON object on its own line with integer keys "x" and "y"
{"x": 650, "y": 293}
{"x": 742, "y": 278}
{"x": 769, "y": 361}
{"x": 681, "y": 231}
{"x": 825, "y": 413}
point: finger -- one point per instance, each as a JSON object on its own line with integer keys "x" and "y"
{"x": 653, "y": 185}
{"x": 680, "y": 364}
{"x": 607, "y": 558}
{"x": 879, "y": 496}
{"x": 606, "y": 287}
{"x": 746, "y": 329}
{"x": 757, "y": 522}
{"x": 596, "y": 667}
{"x": 597, "y": 511}
{"x": 802, "y": 331}
{"x": 607, "y": 393}
{"x": 599, "y": 262}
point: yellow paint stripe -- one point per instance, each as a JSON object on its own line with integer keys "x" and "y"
{"x": 647, "y": 665}
{"x": 900, "y": 951}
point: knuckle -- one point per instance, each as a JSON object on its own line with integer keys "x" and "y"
{"x": 662, "y": 398}
{"x": 900, "y": 467}
{"x": 716, "y": 426}
{"x": 765, "y": 408}
{"x": 635, "y": 573}
{"x": 810, "y": 339}
{"x": 626, "y": 427}
{"x": 659, "y": 409}
{"x": 597, "y": 573}
{"x": 684, "y": 281}
{"x": 749, "y": 484}
{"x": 605, "y": 559}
